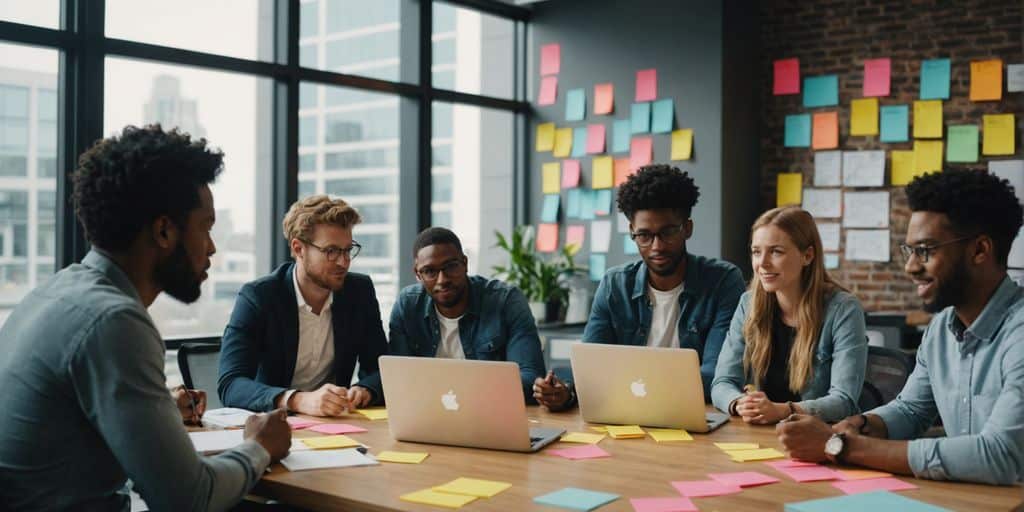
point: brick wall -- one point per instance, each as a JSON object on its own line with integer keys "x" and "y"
{"x": 835, "y": 37}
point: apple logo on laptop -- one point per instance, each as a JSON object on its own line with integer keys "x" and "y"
{"x": 449, "y": 401}
{"x": 638, "y": 388}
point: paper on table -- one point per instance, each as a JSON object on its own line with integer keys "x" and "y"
{"x": 582, "y": 437}
{"x": 928, "y": 119}
{"x": 822, "y": 203}
{"x": 662, "y": 435}
{"x": 549, "y": 212}
{"x": 876, "y": 77}
{"x": 547, "y": 237}
{"x": 788, "y": 186}
{"x": 682, "y": 144}
{"x": 575, "y": 105}
{"x": 927, "y": 156}
{"x": 548, "y": 91}
{"x": 563, "y": 142}
{"x": 575, "y": 235}
{"x": 602, "y": 171}
{"x": 743, "y": 478}
{"x": 864, "y": 168}
{"x": 987, "y": 80}
{"x": 737, "y": 446}
{"x": 1015, "y": 78}
{"x": 864, "y": 116}
{"x": 640, "y": 152}
{"x": 798, "y": 131}
{"x": 828, "y": 169}
{"x": 402, "y": 457}
{"x": 330, "y": 442}
{"x": 625, "y": 431}
{"x": 228, "y": 417}
{"x": 826, "y": 130}
{"x": 894, "y": 119}
{"x": 999, "y": 139}
{"x": 867, "y": 245}
{"x": 786, "y": 77}
{"x": 790, "y": 463}
{"x": 621, "y": 130}
{"x": 646, "y": 85}
{"x": 473, "y": 487}
{"x": 586, "y": 451}
{"x": 866, "y": 209}
{"x": 298, "y": 445}
{"x": 437, "y": 499}
{"x": 640, "y": 118}
{"x": 902, "y": 167}
{"x": 570, "y": 173}
{"x": 873, "y": 484}
{"x": 622, "y": 171}
{"x": 1012, "y": 170}
{"x": 861, "y": 474}
{"x": 600, "y": 235}
{"x": 305, "y": 460}
{"x": 576, "y": 499}
{"x": 662, "y": 116}
{"x": 603, "y": 203}
{"x": 599, "y": 428}
{"x": 809, "y": 473}
{"x": 550, "y": 58}
{"x": 829, "y": 232}
{"x": 704, "y": 488}
{"x": 935, "y": 79}
{"x": 821, "y": 91}
{"x": 545, "y": 136}
{"x": 579, "y": 141}
{"x": 595, "y": 138}
{"x": 963, "y": 143}
{"x": 604, "y": 98}
{"x": 337, "y": 428}
{"x": 215, "y": 441}
{"x": 677, "y": 504}
{"x": 759, "y": 454}
{"x": 598, "y": 262}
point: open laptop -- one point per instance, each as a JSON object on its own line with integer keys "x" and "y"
{"x": 629, "y": 385}
{"x": 459, "y": 402}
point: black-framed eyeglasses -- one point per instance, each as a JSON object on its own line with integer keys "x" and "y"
{"x": 668, "y": 235}
{"x": 923, "y": 252}
{"x": 332, "y": 253}
{"x": 451, "y": 269}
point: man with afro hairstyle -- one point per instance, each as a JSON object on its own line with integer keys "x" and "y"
{"x": 970, "y": 365}
{"x": 670, "y": 298}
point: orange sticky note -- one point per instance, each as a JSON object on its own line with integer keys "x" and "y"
{"x": 826, "y": 130}
{"x": 987, "y": 80}
{"x": 604, "y": 98}
{"x": 640, "y": 152}
{"x": 547, "y": 237}
{"x": 622, "y": 171}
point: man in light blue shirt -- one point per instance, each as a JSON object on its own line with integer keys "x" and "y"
{"x": 970, "y": 366}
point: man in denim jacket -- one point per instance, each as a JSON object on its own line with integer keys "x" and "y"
{"x": 668, "y": 299}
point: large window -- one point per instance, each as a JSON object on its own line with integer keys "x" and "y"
{"x": 43, "y": 13}
{"x": 472, "y": 52}
{"x": 359, "y": 37}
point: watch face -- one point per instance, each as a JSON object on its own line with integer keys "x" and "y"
{"x": 834, "y": 446}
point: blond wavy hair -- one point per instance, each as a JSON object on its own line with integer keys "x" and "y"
{"x": 816, "y": 287}
{"x": 305, "y": 214}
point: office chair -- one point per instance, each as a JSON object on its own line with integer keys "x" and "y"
{"x": 198, "y": 364}
{"x": 886, "y": 373}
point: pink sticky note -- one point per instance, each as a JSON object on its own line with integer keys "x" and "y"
{"x": 790, "y": 463}
{"x": 704, "y": 488}
{"x": 595, "y": 138}
{"x": 787, "y": 77}
{"x": 547, "y": 237}
{"x": 548, "y": 89}
{"x": 550, "y": 59}
{"x": 300, "y": 423}
{"x": 575, "y": 235}
{"x": 873, "y": 484}
{"x": 622, "y": 171}
{"x": 743, "y": 478}
{"x": 809, "y": 473}
{"x": 604, "y": 98}
{"x": 681, "y": 504}
{"x": 587, "y": 451}
{"x": 876, "y": 77}
{"x": 646, "y": 85}
{"x": 640, "y": 152}
{"x": 337, "y": 428}
{"x": 570, "y": 173}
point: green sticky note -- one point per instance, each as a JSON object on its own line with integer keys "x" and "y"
{"x": 579, "y": 141}
{"x": 963, "y": 143}
{"x": 798, "y": 131}
{"x": 620, "y": 136}
{"x": 640, "y": 117}
{"x": 575, "y": 105}
{"x": 935, "y": 79}
{"x": 663, "y": 116}
{"x": 575, "y": 498}
{"x": 894, "y": 119}
{"x": 821, "y": 91}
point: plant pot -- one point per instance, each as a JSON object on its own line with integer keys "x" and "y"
{"x": 553, "y": 311}
{"x": 539, "y": 310}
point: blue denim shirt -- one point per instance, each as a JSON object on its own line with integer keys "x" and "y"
{"x": 497, "y": 326}
{"x": 840, "y": 359}
{"x": 621, "y": 314}
{"x": 973, "y": 379}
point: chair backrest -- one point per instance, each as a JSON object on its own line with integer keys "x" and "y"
{"x": 198, "y": 364}
{"x": 886, "y": 373}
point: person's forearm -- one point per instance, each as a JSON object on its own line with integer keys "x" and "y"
{"x": 876, "y": 453}
{"x": 875, "y": 427}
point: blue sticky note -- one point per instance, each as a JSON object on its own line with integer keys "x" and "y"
{"x": 640, "y": 117}
{"x": 575, "y": 105}
{"x": 629, "y": 246}
{"x": 663, "y": 116}
{"x": 579, "y": 141}
{"x": 877, "y": 500}
{"x": 597, "y": 266}
{"x": 895, "y": 123}
{"x": 821, "y": 91}
{"x": 550, "y": 211}
{"x": 935, "y": 79}
{"x": 798, "y": 131}
{"x": 588, "y": 198}
{"x": 572, "y": 207}
{"x": 603, "y": 203}
{"x": 572, "y": 497}
{"x": 620, "y": 136}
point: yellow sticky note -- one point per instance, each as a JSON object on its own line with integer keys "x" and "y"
{"x": 582, "y": 437}
{"x": 998, "y": 134}
{"x": 737, "y": 446}
{"x": 789, "y": 185}
{"x": 987, "y": 80}
{"x": 473, "y": 487}
{"x": 402, "y": 457}
{"x": 603, "y": 172}
{"x": 546, "y": 137}
{"x": 862, "y": 474}
{"x": 625, "y": 431}
{"x": 376, "y": 413}
{"x": 761, "y": 454}
{"x": 682, "y": 144}
{"x": 662, "y": 435}
{"x": 902, "y": 167}
{"x": 928, "y": 119}
{"x": 927, "y": 155}
{"x": 552, "y": 177}
{"x": 437, "y": 499}
{"x": 599, "y": 429}
{"x": 563, "y": 142}
{"x": 329, "y": 442}
{"x": 864, "y": 116}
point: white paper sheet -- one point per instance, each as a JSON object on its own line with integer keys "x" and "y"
{"x": 828, "y": 167}
{"x": 823, "y": 203}
{"x": 600, "y": 235}
{"x": 226, "y": 417}
{"x": 867, "y": 244}
{"x": 215, "y": 441}
{"x": 324, "y": 459}
{"x": 829, "y": 232}
{"x": 1015, "y": 78}
{"x": 866, "y": 209}
{"x": 863, "y": 168}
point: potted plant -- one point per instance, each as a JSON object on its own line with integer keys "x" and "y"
{"x": 542, "y": 280}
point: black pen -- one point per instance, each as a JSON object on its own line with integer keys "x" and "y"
{"x": 192, "y": 403}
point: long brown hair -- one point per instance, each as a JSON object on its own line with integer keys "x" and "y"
{"x": 816, "y": 287}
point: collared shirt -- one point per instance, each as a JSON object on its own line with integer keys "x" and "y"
{"x": 973, "y": 378}
{"x": 314, "y": 362}
{"x": 85, "y": 405}
{"x": 451, "y": 344}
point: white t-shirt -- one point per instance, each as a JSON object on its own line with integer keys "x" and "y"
{"x": 451, "y": 344}
{"x": 664, "y": 317}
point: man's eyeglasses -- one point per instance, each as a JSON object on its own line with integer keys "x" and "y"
{"x": 454, "y": 268}
{"x": 669, "y": 235}
{"x": 923, "y": 252}
{"x": 332, "y": 253}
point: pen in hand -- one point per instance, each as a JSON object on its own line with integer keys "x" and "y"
{"x": 192, "y": 404}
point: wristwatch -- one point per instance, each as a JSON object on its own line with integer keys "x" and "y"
{"x": 835, "y": 446}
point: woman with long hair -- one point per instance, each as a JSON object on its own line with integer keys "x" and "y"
{"x": 797, "y": 342}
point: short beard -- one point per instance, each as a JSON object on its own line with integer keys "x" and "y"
{"x": 672, "y": 267}
{"x": 175, "y": 276}
{"x": 454, "y": 302}
{"x": 317, "y": 280}
{"x": 951, "y": 291}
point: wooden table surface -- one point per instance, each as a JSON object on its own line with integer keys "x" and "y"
{"x": 637, "y": 468}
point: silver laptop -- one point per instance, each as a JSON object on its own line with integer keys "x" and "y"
{"x": 459, "y": 402}
{"x": 629, "y": 385}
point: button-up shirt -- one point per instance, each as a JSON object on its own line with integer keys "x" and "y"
{"x": 315, "y": 359}
{"x": 973, "y": 378}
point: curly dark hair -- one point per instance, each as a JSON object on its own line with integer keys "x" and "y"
{"x": 126, "y": 181}
{"x": 433, "y": 236}
{"x": 658, "y": 186}
{"x": 975, "y": 202}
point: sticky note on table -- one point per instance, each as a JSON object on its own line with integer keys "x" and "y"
{"x": 798, "y": 131}
{"x": 437, "y": 499}
{"x": 575, "y": 105}
{"x": 579, "y": 141}
{"x": 337, "y": 428}
{"x": 549, "y": 212}
{"x": 902, "y": 167}
{"x": 547, "y": 237}
{"x": 873, "y": 484}
{"x": 790, "y": 463}
{"x": 759, "y": 454}
{"x": 300, "y": 423}
{"x": 563, "y": 142}
{"x": 622, "y": 171}
{"x": 662, "y": 116}
{"x": 788, "y": 187}
{"x": 621, "y": 130}
{"x": 826, "y": 130}
{"x": 737, "y": 446}
{"x": 646, "y": 85}
{"x": 329, "y": 442}
{"x": 879, "y": 500}
{"x": 550, "y": 177}
{"x": 595, "y": 138}
{"x": 473, "y": 487}
{"x": 963, "y": 143}
{"x": 599, "y": 428}
{"x": 821, "y": 91}
{"x": 641, "y": 150}
{"x": 704, "y": 488}
{"x": 815, "y": 473}
{"x": 604, "y": 98}
{"x": 895, "y": 120}
{"x": 548, "y": 91}
{"x": 586, "y": 451}
{"x": 625, "y": 431}
{"x": 550, "y": 58}
{"x": 876, "y": 77}
{"x": 928, "y": 119}
{"x": 743, "y": 478}
{"x": 582, "y": 437}
{"x": 575, "y": 235}
{"x": 640, "y": 118}
{"x": 786, "y": 77}
{"x": 402, "y": 457}
{"x": 602, "y": 172}
{"x": 570, "y": 173}
{"x": 575, "y": 498}
{"x": 999, "y": 137}
{"x": 662, "y": 435}
{"x": 861, "y": 474}
{"x": 677, "y": 504}
{"x": 864, "y": 116}
{"x": 935, "y": 79}
{"x": 598, "y": 262}
{"x": 682, "y": 144}
{"x": 927, "y": 155}
{"x": 987, "y": 80}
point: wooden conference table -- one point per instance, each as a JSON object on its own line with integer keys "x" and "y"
{"x": 637, "y": 468}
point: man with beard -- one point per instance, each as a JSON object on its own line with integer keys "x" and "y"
{"x": 454, "y": 315}
{"x": 295, "y": 336}
{"x": 668, "y": 299}
{"x": 81, "y": 362}
{"x": 970, "y": 365}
